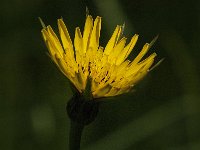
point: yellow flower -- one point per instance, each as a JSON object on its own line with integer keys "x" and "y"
{"x": 108, "y": 69}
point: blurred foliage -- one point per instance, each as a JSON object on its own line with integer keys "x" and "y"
{"x": 162, "y": 114}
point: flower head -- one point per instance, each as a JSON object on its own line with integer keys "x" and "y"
{"x": 107, "y": 69}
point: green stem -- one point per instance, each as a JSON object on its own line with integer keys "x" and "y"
{"x": 81, "y": 112}
{"x": 76, "y": 130}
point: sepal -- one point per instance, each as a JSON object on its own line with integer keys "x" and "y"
{"x": 81, "y": 110}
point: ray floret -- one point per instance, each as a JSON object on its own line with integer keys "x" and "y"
{"x": 108, "y": 69}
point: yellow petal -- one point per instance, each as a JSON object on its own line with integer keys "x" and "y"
{"x": 87, "y": 32}
{"x": 45, "y": 37}
{"x": 51, "y": 46}
{"x": 127, "y": 50}
{"x": 54, "y": 40}
{"x": 121, "y": 70}
{"x": 94, "y": 40}
{"x": 113, "y": 91}
{"x": 116, "y": 51}
{"x": 148, "y": 59}
{"x": 64, "y": 34}
{"x": 78, "y": 44}
{"x": 141, "y": 54}
{"x": 78, "y": 41}
{"x": 143, "y": 69}
{"x": 65, "y": 38}
{"x": 132, "y": 70}
{"x": 101, "y": 92}
{"x": 113, "y": 40}
{"x": 124, "y": 90}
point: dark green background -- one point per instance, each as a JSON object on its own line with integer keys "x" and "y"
{"x": 162, "y": 114}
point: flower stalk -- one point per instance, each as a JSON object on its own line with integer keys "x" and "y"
{"x": 81, "y": 112}
{"x": 75, "y": 134}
